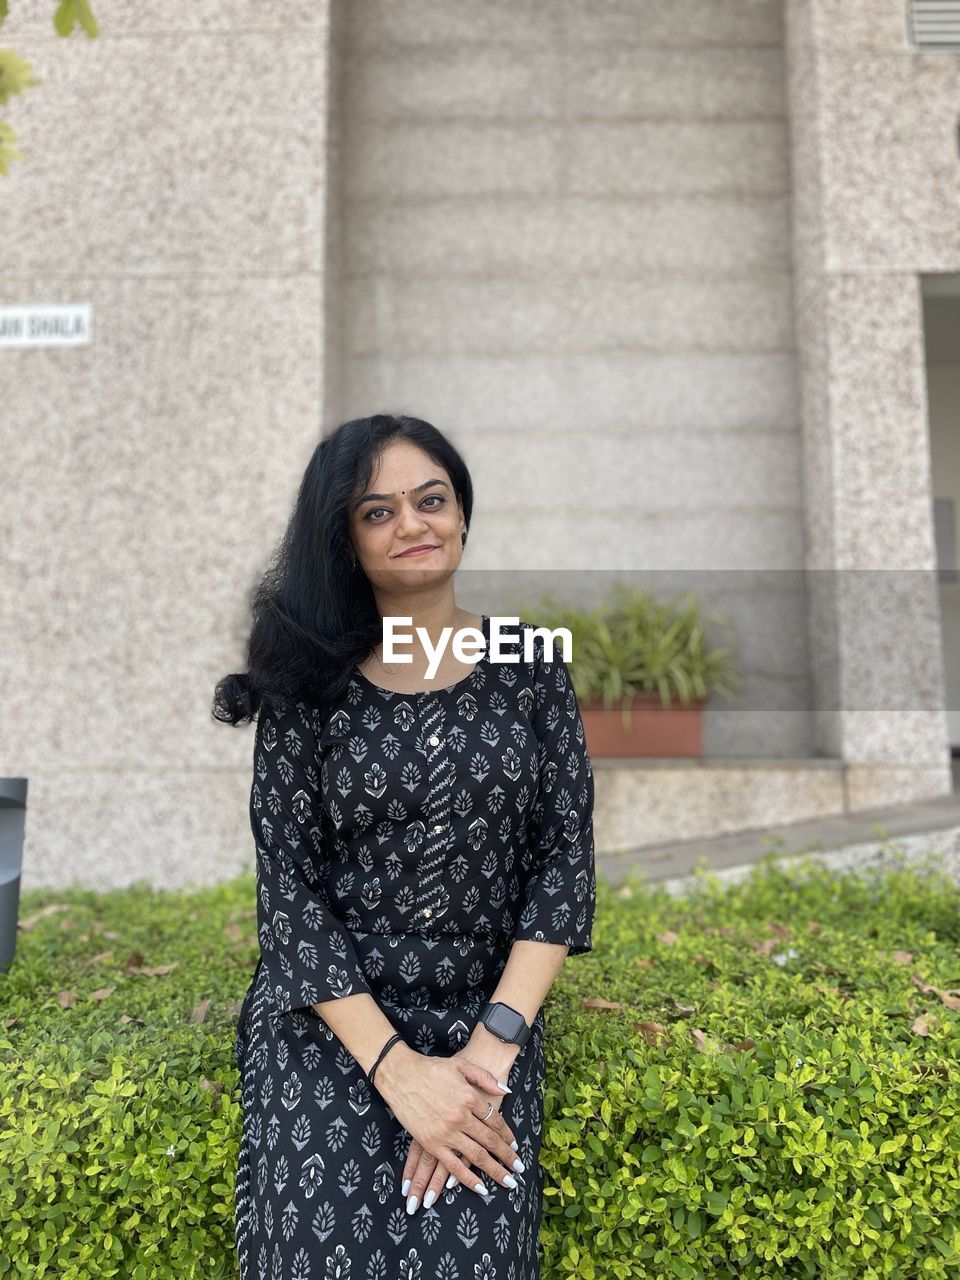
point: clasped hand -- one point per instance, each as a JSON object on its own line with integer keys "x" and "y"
{"x": 442, "y": 1103}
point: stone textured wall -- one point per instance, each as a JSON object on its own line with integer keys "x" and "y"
{"x": 567, "y": 242}
{"x": 173, "y": 175}
{"x": 564, "y": 231}
{"x": 876, "y": 177}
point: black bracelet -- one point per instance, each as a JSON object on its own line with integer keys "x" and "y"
{"x": 389, "y": 1045}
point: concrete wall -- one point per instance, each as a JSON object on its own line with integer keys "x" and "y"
{"x": 565, "y": 233}
{"x": 876, "y": 187}
{"x": 567, "y": 243}
{"x": 173, "y": 175}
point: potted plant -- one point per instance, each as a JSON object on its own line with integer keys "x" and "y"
{"x": 631, "y": 659}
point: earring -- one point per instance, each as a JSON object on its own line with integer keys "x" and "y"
{"x": 353, "y": 562}
{"x": 463, "y": 537}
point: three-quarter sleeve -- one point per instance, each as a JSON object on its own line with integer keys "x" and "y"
{"x": 309, "y": 955}
{"x": 560, "y": 892}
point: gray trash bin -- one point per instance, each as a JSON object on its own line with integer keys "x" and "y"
{"x": 13, "y": 812}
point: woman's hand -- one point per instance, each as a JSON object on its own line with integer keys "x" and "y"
{"x": 442, "y": 1103}
{"x": 424, "y": 1176}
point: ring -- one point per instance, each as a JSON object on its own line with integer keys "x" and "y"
{"x": 489, "y": 1111}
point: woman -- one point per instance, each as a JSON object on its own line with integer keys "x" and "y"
{"x": 424, "y": 855}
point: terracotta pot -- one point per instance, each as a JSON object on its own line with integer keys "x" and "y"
{"x": 655, "y": 730}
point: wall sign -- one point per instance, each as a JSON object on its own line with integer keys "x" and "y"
{"x": 46, "y": 326}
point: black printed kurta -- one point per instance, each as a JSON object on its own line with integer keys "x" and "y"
{"x": 403, "y": 842}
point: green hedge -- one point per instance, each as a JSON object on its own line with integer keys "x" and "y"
{"x": 762, "y": 1082}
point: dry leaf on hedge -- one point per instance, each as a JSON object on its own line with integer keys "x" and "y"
{"x": 702, "y": 1040}
{"x": 652, "y": 1032}
{"x": 67, "y": 999}
{"x": 741, "y": 1045}
{"x": 597, "y": 1002}
{"x": 200, "y": 1011}
{"x": 948, "y": 995}
{"x": 51, "y": 909}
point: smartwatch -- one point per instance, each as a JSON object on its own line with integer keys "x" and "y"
{"x": 505, "y": 1023}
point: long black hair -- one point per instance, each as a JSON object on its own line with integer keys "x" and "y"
{"x": 314, "y": 612}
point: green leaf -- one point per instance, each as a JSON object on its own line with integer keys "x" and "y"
{"x": 65, "y": 17}
{"x": 72, "y": 11}
{"x": 87, "y": 20}
{"x": 16, "y": 74}
{"x": 8, "y": 151}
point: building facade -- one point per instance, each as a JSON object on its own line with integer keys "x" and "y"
{"x": 681, "y": 281}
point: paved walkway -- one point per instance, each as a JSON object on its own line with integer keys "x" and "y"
{"x": 845, "y": 839}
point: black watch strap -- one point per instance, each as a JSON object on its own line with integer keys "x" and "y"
{"x": 505, "y": 1022}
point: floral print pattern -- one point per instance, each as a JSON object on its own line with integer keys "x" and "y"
{"x": 403, "y": 843}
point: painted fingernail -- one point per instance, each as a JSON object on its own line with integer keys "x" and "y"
{"x": 513, "y": 1144}
{"x": 412, "y": 1203}
{"x": 510, "y": 1181}
{"x": 451, "y": 1180}
{"x": 406, "y": 1186}
{"x": 505, "y": 1088}
{"x": 429, "y": 1198}
{"x": 519, "y": 1165}
{"x": 481, "y": 1188}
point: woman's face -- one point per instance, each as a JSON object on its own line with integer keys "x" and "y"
{"x": 415, "y": 506}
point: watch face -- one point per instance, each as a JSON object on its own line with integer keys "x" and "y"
{"x": 514, "y": 1022}
{"x": 505, "y": 1022}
